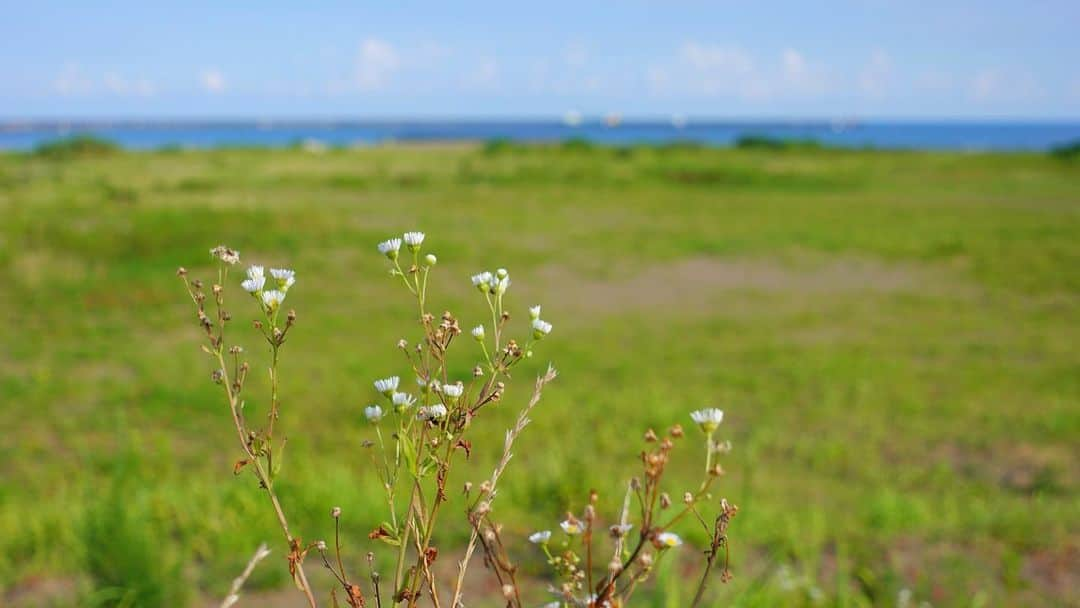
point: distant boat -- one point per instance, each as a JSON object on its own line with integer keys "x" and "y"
{"x": 572, "y": 118}
{"x": 678, "y": 121}
{"x": 612, "y": 120}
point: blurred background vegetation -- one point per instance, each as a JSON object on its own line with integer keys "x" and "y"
{"x": 893, "y": 337}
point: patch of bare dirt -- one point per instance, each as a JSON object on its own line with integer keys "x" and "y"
{"x": 1020, "y": 467}
{"x": 697, "y": 282}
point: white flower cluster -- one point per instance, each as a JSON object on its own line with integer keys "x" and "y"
{"x": 494, "y": 283}
{"x": 271, "y": 299}
{"x": 540, "y": 327}
{"x": 391, "y": 248}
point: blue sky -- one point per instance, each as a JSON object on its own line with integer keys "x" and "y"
{"x": 727, "y": 59}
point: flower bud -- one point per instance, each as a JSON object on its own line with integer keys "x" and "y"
{"x": 430, "y": 259}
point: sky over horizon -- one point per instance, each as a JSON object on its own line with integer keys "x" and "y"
{"x": 728, "y": 59}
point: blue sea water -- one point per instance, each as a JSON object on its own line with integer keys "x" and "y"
{"x": 1029, "y": 136}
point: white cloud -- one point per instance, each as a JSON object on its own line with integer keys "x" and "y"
{"x": 118, "y": 85}
{"x": 212, "y": 80}
{"x": 801, "y": 76}
{"x": 875, "y": 78}
{"x": 999, "y": 84}
{"x": 715, "y": 70}
{"x": 375, "y": 63}
{"x": 719, "y": 70}
{"x": 72, "y": 81}
{"x": 484, "y": 76}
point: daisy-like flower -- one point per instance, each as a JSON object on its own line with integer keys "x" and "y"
{"x": 253, "y": 285}
{"x": 668, "y": 540}
{"x": 708, "y": 419}
{"x": 453, "y": 391}
{"x": 413, "y": 240}
{"x": 390, "y": 248}
{"x": 534, "y": 312}
{"x": 285, "y": 277}
{"x": 272, "y": 299}
{"x": 540, "y": 538}
{"x": 387, "y": 386}
{"x": 402, "y": 401}
{"x": 478, "y": 333}
{"x": 255, "y": 272}
{"x": 223, "y": 253}
{"x": 541, "y": 328}
{"x": 482, "y": 281}
{"x": 500, "y": 286}
{"x": 572, "y": 527}
{"x": 373, "y": 413}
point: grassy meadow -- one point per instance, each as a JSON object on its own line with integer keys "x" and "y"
{"x": 893, "y": 337}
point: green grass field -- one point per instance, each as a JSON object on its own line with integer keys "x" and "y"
{"x": 893, "y": 336}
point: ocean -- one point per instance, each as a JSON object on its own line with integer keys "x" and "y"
{"x": 1005, "y": 136}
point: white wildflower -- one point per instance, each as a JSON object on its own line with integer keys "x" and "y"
{"x": 387, "y": 386}
{"x": 668, "y": 539}
{"x": 482, "y": 281}
{"x": 708, "y": 419}
{"x": 534, "y": 312}
{"x": 478, "y": 333}
{"x": 254, "y": 285}
{"x": 285, "y": 277}
{"x": 572, "y": 527}
{"x": 453, "y": 391}
{"x": 431, "y": 412}
{"x": 402, "y": 400}
{"x": 272, "y": 299}
{"x": 541, "y": 328}
{"x": 390, "y": 248}
{"x": 413, "y": 240}
{"x": 373, "y": 413}
{"x": 255, "y": 272}
{"x": 501, "y": 286}
{"x": 540, "y": 538}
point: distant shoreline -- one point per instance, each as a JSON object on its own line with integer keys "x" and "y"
{"x": 939, "y": 135}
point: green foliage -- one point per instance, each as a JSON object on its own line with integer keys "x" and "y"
{"x": 764, "y": 142}
{"x": 128, "y": 564}
{"x": 76, "y": 147}
{"x": 892, "y": 336}
{"x": 577, "y": 144}
{"x": 1068, "y": 151}
{"x": 499, "y": 145}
